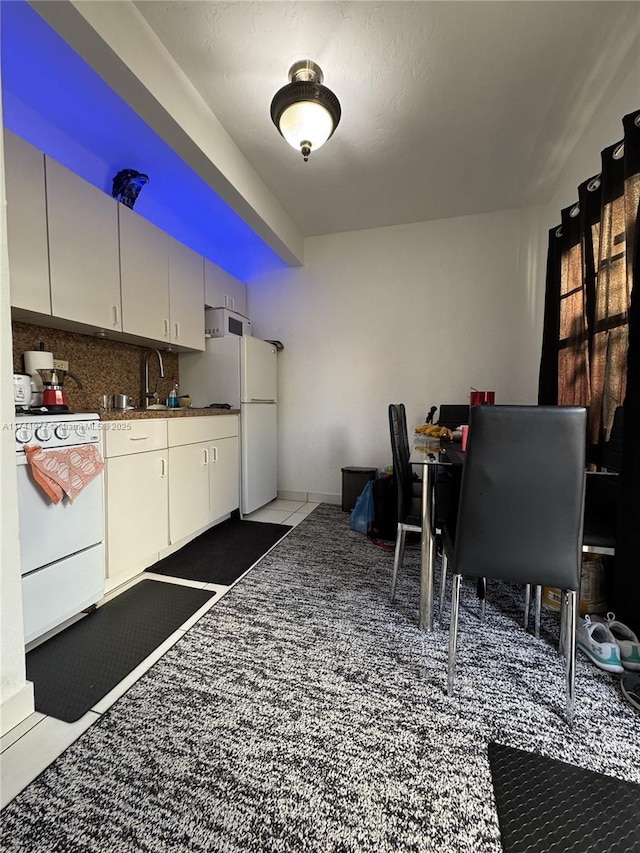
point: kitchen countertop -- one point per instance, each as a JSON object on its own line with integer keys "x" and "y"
{"x": 183, "y": 412}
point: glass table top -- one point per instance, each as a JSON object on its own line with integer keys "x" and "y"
{"x": 440, "y": 452}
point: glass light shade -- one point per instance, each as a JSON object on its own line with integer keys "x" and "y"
{"x": 306, "y": 121}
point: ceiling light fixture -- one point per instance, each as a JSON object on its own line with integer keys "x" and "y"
{"x": 305, "y": 112}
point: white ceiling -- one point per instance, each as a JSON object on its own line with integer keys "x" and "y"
{"x": 448, "y": 108}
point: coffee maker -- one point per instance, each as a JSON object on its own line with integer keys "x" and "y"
{"x": 54, "y": 399}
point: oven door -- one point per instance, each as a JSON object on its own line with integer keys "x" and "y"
{"x": 50, "y": 532}
{"x": 61, "y": 553}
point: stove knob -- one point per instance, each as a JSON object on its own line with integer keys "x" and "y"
{"x": 81, "y": 430}
{"x": 62, "y": 431}
{"x": 23, "y": 434}
{"x": 44, "y": 432}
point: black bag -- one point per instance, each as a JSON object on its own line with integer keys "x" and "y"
{"x": 385, "y": 509}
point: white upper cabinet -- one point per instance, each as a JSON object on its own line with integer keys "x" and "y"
{"x": 222, "y": 290}
{"x": 26, "y": 225}
{"x": 144, "y": 273}
{"x": 79, "y": 255}
{"x": 186, "y": 296}
{"x": 83, "y": 250}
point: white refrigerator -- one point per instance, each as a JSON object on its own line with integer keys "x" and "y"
{"x": 241, "y": 371}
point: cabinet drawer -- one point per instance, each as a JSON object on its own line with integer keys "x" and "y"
{"x": 122, "y": 438}
{"x": 194, "y": 430}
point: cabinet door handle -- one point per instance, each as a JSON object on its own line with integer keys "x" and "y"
{"x": 166, "y": 327}
{"x": 138, "y": 437}
{"x": 215, "y": 454}
{"x": 206, "y": 456}
{"x": 163, "y": 468}
{"x": 116, "y": 321}
{"x": 177, "y": 328}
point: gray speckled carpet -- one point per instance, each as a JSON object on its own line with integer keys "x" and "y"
{"x": 305, "y": 712}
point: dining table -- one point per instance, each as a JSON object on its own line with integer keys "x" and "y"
{"x": 430, "y": 456}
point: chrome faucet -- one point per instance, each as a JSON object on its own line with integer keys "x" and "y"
{"x": 146, "y": 393}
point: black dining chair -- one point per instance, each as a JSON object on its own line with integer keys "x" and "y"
{"x": 453, "y": 415}
{"x": 602, "y": 495}
{"x": 447, "y": 492}
{"x": 601, "y": 508}
{"x": 521, "y": 510}
{"x": 409, "y": 491}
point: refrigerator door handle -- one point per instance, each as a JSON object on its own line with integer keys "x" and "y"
{"x": 260, "y": 400}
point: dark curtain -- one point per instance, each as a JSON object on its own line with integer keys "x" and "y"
{"x": 627, "y": 560}
{"x": 591, "y": 336}
{"x": 548, "y": 377}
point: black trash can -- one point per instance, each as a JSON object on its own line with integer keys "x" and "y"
{"x": 353, "y": 482}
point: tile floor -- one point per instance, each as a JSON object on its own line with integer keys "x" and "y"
{"x": 32, "y": 745}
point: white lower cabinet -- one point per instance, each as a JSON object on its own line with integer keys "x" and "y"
{"x": 203, "y": 473}
{"x": 136, "y": 496}
{"x": 188, "y": 490}
{"x": 165, "y": 481}
{"x": 224, "y": 484}
{"x": 137, "y": 513}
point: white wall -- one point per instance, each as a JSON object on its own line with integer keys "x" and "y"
{"x": 16, "y": 695}
{"x": 415, "y": 314}
{"x": 584, "y": 161}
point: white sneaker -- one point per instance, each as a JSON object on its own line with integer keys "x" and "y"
{"x": 627, "y": 641}
{"x": 598, "y": 643}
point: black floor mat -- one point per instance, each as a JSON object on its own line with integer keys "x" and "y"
{"x": 223, "y": 553}
{"x": 76, "y": 668}
{"x": 548, "y": 806}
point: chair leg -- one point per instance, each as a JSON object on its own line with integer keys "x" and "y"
{"x": 398, "y": 557}
{"x": 482, "y": 595}
{"x": 443, "y": 581}
{"x": 538, "y": 610}
{"x": 562, "y": 643}
{"x": 570, "y": 645}
{"x": 527, "y": 605}
{"x": 453, "y": 632}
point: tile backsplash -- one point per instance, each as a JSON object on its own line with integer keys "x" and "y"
{"x": 103, "y": 366}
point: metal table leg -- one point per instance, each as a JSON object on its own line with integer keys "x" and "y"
{"x": 428, "y": 550}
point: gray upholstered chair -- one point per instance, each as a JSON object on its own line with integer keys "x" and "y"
{"x": 521, "y": 506}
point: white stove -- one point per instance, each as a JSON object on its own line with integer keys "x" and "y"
{"x": 56, "y": 430}
{"x": 61, "y": 545}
